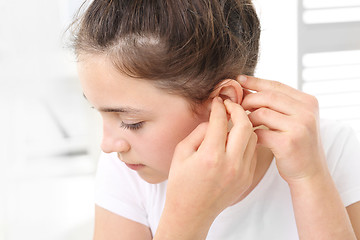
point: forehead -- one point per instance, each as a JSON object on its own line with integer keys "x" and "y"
{"x": 105, "y": 87}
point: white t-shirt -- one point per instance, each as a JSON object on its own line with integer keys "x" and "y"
{"x": 266, "y": 213}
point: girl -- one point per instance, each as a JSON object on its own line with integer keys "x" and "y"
{"x": 183, "y": 155}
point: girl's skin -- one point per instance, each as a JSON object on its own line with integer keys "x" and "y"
{"x": 163, "y": 127}
{"x": 213, "y": 167}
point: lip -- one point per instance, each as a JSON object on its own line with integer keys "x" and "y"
{"x": 135, "y": 167}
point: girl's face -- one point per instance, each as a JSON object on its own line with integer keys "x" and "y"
{"x": 142, "y": 123}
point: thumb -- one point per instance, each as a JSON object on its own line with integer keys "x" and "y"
{"x": 191, "y": 143}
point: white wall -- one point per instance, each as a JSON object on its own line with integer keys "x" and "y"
{"x": 278, "y": 55}
{"x": 46, "y": 178}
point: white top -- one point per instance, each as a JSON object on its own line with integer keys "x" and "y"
{"x": 266, "y": 213}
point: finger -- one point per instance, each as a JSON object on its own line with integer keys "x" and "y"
{"x": 271, "y": 119}
{"x": 269, "y": 138}
{"x": 276, "y": 101}
{"x": 258, "y": 84}
{"x": 253, "y": 162}
{"x": 248, "y": 158}
{"x": 246, "y": 92}
{"x": 191, "y": 143}
{"x": 216, "y": 134}
{"x": 240, "y": 132}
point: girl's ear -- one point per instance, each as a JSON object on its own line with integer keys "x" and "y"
{"x": 228, "y": 89}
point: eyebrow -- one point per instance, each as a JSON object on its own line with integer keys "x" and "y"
{"x": 127, "y": 110}
{"x": 121, "y": 110}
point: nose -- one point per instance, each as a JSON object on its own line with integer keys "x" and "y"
{"x": 112, "y": 141}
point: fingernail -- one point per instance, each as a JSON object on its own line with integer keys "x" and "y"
{"x": 227, "y": 101}
{"x": 242, "y": 79}
{"x": 219, "y": 99}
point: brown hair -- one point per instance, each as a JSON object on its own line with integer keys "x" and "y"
{"x": 186, "y": 47}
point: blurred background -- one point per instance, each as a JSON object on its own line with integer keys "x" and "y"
{"x": 49, "y": 136}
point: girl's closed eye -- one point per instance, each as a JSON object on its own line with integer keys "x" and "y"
{"x": 132, "y": 126}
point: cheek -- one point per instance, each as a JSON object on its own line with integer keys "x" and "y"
{"x": 164, "y": 142}
{"x": 163, "y": 138}
{"x": 155, "y": 146}
{"x": 175, "y": 131}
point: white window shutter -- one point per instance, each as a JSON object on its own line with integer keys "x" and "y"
{"x": 329, "y": 57}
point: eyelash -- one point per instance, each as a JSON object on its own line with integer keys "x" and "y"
{"x": 134, "y": 126}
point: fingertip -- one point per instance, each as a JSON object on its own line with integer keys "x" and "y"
{"x": 218, "y": 110}
{"x": 217, "y": 100}
{"x": 242, "y": 78}
{"x": 227, "y": 101}
{"x": 227, "y": 104}
{"x": 230, "y": 104}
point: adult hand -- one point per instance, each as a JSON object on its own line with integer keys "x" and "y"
{"x": 211, "y": 168}
{"x": 292, "y": 119}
